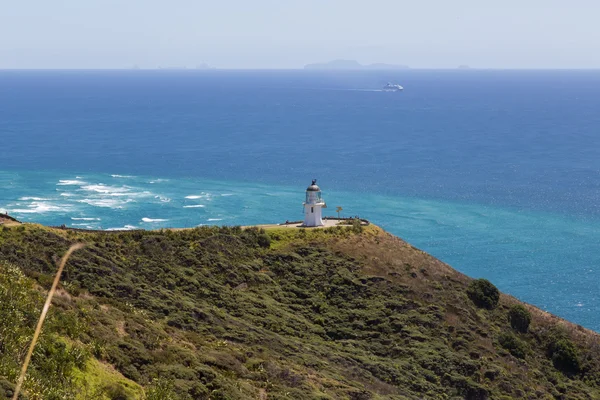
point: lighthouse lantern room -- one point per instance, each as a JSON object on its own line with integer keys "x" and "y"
{"x": 313, "y": 205}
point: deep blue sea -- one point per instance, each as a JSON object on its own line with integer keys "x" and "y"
{"x": 495, "y": 172}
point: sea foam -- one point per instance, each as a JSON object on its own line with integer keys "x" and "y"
{"x": 108, "y": 203}
{"x": 70, "y": 182}
{"x": 86, "y": 226}
{"x": 33, "y": 198}
{"x": 125, "y": 228}
{"x": 145, "y": 219}
{"x": 109, "y": 190}
{"x": 40, "y": 207}
{"x": 163, "y": 199}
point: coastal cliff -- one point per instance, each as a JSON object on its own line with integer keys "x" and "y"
{"x": 231, "y": 313}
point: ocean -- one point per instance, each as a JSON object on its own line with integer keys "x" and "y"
{"x": 495, "y": 172}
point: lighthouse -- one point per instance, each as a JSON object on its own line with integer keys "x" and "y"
{"x": 313, "y": 205}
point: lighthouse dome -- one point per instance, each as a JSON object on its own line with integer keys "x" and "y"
{"x": 313, "y": 187}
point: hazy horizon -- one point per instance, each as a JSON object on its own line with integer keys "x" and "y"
{"x": 301, "y": 68}
{"x": 265, "y": 34}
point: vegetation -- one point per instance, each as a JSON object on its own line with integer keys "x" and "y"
{"x": 511, "y": 343}
{"x": 61, "y": 365}
{"x": 231, "y": 313}
{"x": 563, "y": 352}
{"x": 519, "y": 318}
{"x": 483, "y": 293}
{"x": 564, "y": 356}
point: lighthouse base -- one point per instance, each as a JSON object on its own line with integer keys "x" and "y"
{"x": 312, "y": 225}
{"x": 312, "y": 215}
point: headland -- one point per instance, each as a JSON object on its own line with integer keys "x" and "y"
{"x": 342, "y": 312}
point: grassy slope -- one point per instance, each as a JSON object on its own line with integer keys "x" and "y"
{"x": 213, "y": 313}
{"x": 61, "y": 367}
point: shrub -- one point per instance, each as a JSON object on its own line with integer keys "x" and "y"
{"x": 520, "y": 318}
{"x": 511, "y": 343}
{"x": 564, "y": 356}
{"x": 115, "y": 391}
{"x": 162, "y": 389}
{"x": 483, "y": 293}
{"x": 264, "y": 240}
{"x": 356, "y": 226}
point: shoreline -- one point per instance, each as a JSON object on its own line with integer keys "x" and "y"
{"x": 329, "y": 222}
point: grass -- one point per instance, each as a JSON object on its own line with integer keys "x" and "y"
{"x": 101, "y": 381}
{"x": 336, "y": 313}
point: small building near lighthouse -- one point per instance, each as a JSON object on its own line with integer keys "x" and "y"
{"x": 313, "y": 205}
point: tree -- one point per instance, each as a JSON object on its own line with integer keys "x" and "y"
{"x": 519, "y": 318}
{"x": 565, "y": 357}
{"x": 483, "y": 293}
{"x": 338, "y": 209}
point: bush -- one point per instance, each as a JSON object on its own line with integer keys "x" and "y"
{"x": 264, "y": 240}
{"x": 519, "y": 318}
{"x": 162, "y": 389}
{"x": 357, "y": 226}
{"x": 115, "y": 391}
{"x": 511, "y": 343}
{"x": 564, "y": 356}
{"x": 483, "y": 293}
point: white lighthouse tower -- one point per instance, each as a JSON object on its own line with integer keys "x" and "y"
{"x": 313, "y": 205}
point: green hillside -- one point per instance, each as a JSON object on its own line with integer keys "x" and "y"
{"x": 230, "y": 313}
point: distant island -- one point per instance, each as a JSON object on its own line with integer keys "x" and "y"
{"x": 352, "y": 65}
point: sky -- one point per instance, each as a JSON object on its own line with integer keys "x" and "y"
{"x": 291, "y": 33}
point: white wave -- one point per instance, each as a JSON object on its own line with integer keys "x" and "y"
{"x": 108, "y": 203}
{"x": 109, "y": 190}
{"x": 101, "y": 191}
{"x": 85, "y": 219}
{"x": 145, "y": 219}
{"x": 33, "y": 198}
{"x": 226, "y": 194}
{"x": 158, "y": 180}
{"x": 125, "y": 228}
{"x": 195, "y": 206}
{"x": 67, "y": 182}
{"x": 202, "y": 195}
{"x": 66, "y": 194}
{"x": 163, "y": 199}
{"x": 215, "y": 219}
{"x": 40, "y": 207}
{"x": 122, "y": 176}
{"x": 87, "y": 226}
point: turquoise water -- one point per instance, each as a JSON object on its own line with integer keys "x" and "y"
{"x": 537, "y": 256}
{"x": 495, "y": 173}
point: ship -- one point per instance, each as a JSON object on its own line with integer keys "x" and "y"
{"x": 389, "y": 87}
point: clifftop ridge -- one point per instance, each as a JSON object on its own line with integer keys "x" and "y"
{"x": 231, "y": 313}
